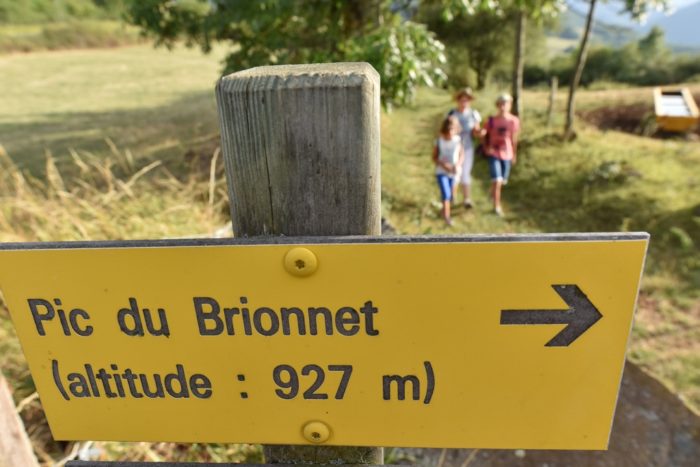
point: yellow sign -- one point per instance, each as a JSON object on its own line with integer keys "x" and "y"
{"x": 489, "y": 342}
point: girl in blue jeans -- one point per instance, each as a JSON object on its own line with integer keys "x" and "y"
{"x": 448, "y": 155}
{"x": 502, "y": 147}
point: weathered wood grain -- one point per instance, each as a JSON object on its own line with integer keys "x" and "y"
{"x": 301, "y": 149}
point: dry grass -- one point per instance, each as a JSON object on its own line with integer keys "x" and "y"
{"x": 106, "y": 199}
{"x": 98, "y": 198}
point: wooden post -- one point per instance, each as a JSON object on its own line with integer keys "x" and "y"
{"x": 554, "y": 83}
{"x": 301, "y": 148}
{"x": 302, "y": 154}
{"x": 15, "y": 447}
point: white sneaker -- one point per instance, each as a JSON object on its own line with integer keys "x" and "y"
{"x": 498, "y": 211}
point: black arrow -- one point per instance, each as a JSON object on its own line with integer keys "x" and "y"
{"x": 580, "y": 316}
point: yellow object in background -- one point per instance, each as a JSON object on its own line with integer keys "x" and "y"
{"x": 489, "y": 342}
{"x": 675, "y": 110}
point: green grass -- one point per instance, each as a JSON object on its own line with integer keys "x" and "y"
{"x": 114, "y": 197}
{"x": 603, "y": 181}
{"x": 153, "y": 102}
{"x": 83, "y": 34}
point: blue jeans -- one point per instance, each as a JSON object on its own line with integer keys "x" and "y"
{"x": 499, "y": 169}
{"x": 445, "y": 182}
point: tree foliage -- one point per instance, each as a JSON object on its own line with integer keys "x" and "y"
{"x": 268, "y": 32}
{"x": 637, "y": 9}
{"x": 645, "y": 62}
{"x": 535, "y": 9}
{"x": 520, "y": 12}
{"x": 41, "y": 11}
{"x": 481, "y": 40}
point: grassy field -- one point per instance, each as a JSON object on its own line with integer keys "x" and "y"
{"x": 604, "y": 181}
{"x": 116, "y": 125}
{"x": 156, "y": 103}
{"x": 83, "y": 34}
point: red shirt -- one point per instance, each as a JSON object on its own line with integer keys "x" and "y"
{"x": 501, "y": 131}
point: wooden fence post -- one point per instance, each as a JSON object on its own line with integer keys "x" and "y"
{"x": 302, "y": 155}
{"x": 15, "y": 447}
{"x": 554, "y": 83}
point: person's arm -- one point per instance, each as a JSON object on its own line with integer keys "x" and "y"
{"x": 445, "y": 165}
{"x": 477, "y": 130}
{"x": 437, "y": 161}
{"x": 461, "y": 156}
{"x": 483, "y": 136}
{"x": 514, "y": 140}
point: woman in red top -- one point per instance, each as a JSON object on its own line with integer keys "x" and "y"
{"x": 502, "y": 145}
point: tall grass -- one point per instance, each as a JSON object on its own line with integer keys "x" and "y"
{"x": 98, "y": 198}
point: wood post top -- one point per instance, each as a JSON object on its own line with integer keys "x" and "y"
{"x": 300, "y": 76}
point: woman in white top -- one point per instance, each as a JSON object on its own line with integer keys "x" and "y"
{"x": 470, "y": 121}
{"x": 448, "y": 156}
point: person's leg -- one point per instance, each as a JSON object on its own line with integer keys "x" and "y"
{"x": 448, "y": 207}
{"x": 497, "y": 184}
{"x": 446, "y": 186}
{"x": 505, "y": 170}
{"x": 496, "y": 170}
{"x": 465, "y": 194}
{"x": 466, "y": 179}
{"x": 446, "y": 212}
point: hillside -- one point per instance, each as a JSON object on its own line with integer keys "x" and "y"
{"x": 614, "y": 27}
{"x": 572, "y": 21}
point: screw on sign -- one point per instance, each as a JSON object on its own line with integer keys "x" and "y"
{"x": 300, "y": 262}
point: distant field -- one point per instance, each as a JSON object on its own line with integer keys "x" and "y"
{"x": 155, "y": 102}
{"x": 62, "y": 35}
{"x": 559, "y": 45}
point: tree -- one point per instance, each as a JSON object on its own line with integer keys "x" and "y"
{"x": 653, "y": 45}
{"x": 578, "y": 71}
{"x": 638, "y": 9}
{"x": 519, "y": 61}
{"x": 520, "y": 10}
{"x": 524, "y": 9}
{"x": 265, "y": 32}
{"x": 479, "y": 39}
